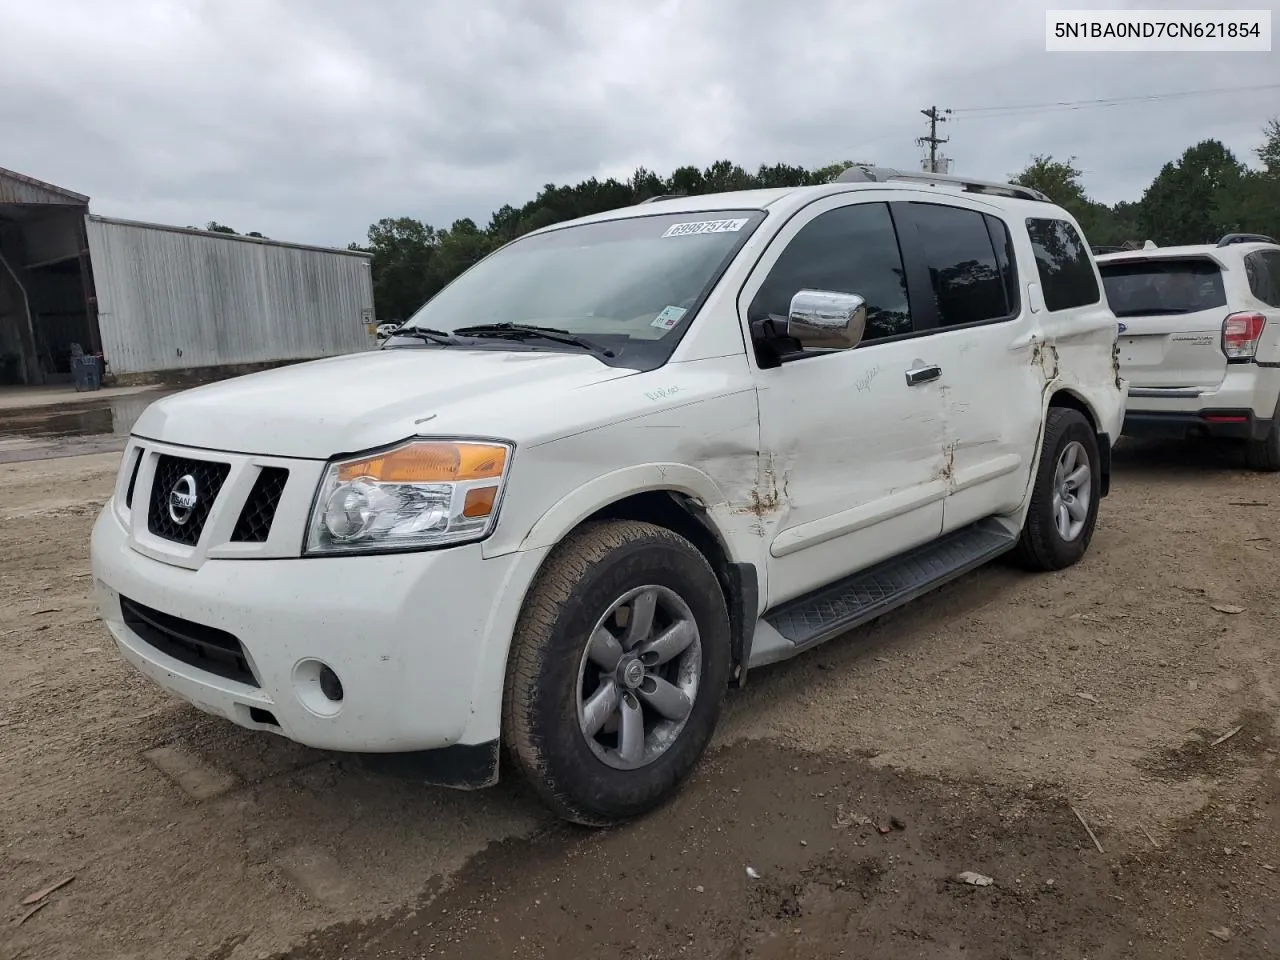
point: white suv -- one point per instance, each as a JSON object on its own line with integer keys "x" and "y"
{"x": 612, "y": 467}
{"x": 1200, "y": 340}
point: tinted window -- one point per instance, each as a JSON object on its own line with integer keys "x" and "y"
{"x": 1066, "y": 272}
{"x": 1264, "y": 276}
{"x": 1137, "y": 288}
{"x": 962, "y": 263}
{"x": 848, "y": 250}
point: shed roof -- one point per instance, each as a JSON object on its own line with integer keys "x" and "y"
{"x": 233, "y": 237}
{"x": 19, "y": 188}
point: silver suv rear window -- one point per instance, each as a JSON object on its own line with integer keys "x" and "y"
{"x": 1169, "y": 285}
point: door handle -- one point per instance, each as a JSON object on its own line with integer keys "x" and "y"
{"x": 923, "y": 373}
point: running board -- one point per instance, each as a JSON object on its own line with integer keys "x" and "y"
{"x": 831, "y": 610}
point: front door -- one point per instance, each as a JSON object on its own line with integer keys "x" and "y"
{"x": 853, "y": 438}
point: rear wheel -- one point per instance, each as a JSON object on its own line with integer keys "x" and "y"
{"x": 1264, "y": 454}
{"x": 617, "y": 672}
{"x": 1065, "y": 495}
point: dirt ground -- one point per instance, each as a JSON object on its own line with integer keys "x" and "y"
{"x": 963, "y": 733}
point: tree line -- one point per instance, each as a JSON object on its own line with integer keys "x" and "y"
{"x": 413, "y": 260}
{"x": 1205, "y": 193}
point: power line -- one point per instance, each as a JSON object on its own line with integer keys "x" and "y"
{"x": 1010, "y": 109}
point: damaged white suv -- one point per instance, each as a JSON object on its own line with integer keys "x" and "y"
{"x": 612, "y": 467}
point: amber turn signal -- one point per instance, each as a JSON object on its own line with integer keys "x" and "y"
{"x": 431, "y": 461}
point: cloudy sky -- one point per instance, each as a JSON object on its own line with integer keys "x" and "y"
{"x": 309, "y": 119}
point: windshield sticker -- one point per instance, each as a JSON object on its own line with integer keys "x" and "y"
{"x": 669, "y": 317}
{"x": 705, "y": 226}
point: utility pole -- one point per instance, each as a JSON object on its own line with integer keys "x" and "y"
{"x": 933, "y": 139}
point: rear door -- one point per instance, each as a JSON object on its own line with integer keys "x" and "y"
{"x": 961, "y": 264}
{"x": 1171, "y": 311}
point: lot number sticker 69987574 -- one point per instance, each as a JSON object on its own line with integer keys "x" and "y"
{"x": 705, "y": 226}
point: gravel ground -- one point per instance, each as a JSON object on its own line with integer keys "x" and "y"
{"x": 981, "y": 720}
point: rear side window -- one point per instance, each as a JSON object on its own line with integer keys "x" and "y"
{"x": 850, "y": 249}
{"x": 1168, "y": 285}
{"x": 968, "y": 283}
{"x": 1066, "y": 272}
{"x": 1263, "y": 270}
{"x": 1002, "y": 240}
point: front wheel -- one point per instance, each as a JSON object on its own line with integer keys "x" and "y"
{"x": 617, "y": 672}
{"x": 1064, "y": 496}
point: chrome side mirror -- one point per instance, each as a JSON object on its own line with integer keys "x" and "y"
{"x": 823, "y": 318}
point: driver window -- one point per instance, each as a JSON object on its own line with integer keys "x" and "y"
{"x": 851, "y": 249}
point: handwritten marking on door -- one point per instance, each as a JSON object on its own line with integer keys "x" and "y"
{"x": 863, "y": 383}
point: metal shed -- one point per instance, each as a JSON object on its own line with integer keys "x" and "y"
{"x": 161, "y": 302}
{"x": 173, "y": 298}
{"x": 45, "y": 283}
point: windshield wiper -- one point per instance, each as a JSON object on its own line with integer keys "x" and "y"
{"x": 428, "y": 335}
{"x": 525, "y": 331}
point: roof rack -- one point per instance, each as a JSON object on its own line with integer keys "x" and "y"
{"x": 968, "y": 184}
{"x": 1231, "y": 238}
{"x": 661, "y": 196}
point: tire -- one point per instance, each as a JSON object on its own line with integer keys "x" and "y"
{"x": 1264, "y": 454}
{"x": 596, "y": 780}
{"x": 1042, "y": 545}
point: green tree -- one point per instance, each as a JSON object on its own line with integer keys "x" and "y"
{"x": 687, "y": 180}
{"x": 724, "y": 176}
{"x": 1059, "y": 180}
{"x": 214, "y": 227}
{"x": 1119, "y": 226}
{"x": 1269, "y": 152}
{"x": 830, "y": 171}
{"x": 1194, "y": 199}
{"x": 457, "y": 249}
{"x": 1252, "y": 205}
{"x": 405, "y": 271}
{"x": 783, "y": 175}
{"x": 644, "y": 183}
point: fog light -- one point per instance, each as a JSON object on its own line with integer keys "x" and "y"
{"x": 330, "y": 685}
{"x": 317, "y": 687}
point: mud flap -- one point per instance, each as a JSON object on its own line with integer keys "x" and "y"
{"x": 457, "y": 767}
{"x": 1104, "y": 454}
{"x": 744, "y": 603}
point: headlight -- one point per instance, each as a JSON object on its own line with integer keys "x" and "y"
{"x": 425, "y": 493}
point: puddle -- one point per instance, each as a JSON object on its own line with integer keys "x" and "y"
{"x": 71, "y": 429}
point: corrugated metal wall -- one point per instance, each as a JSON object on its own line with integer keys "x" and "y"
{"x": 18, "y": 188}
{"x": 170, "y": 298}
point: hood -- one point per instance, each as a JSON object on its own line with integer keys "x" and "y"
{"x": 352, "y": 403}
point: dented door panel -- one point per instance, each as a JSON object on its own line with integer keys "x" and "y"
{"x": 857, "y": 457}
{"x": 991, "y": 387}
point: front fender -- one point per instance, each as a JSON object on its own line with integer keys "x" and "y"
{"x": 594, "y": 495}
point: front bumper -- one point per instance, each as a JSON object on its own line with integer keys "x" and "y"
{"x": 418, "y": 640}
{"x": 1241, "y": 407}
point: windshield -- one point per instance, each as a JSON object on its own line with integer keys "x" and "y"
{"x": 631, "y": 285}
{"x": 1166, "y": 286}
